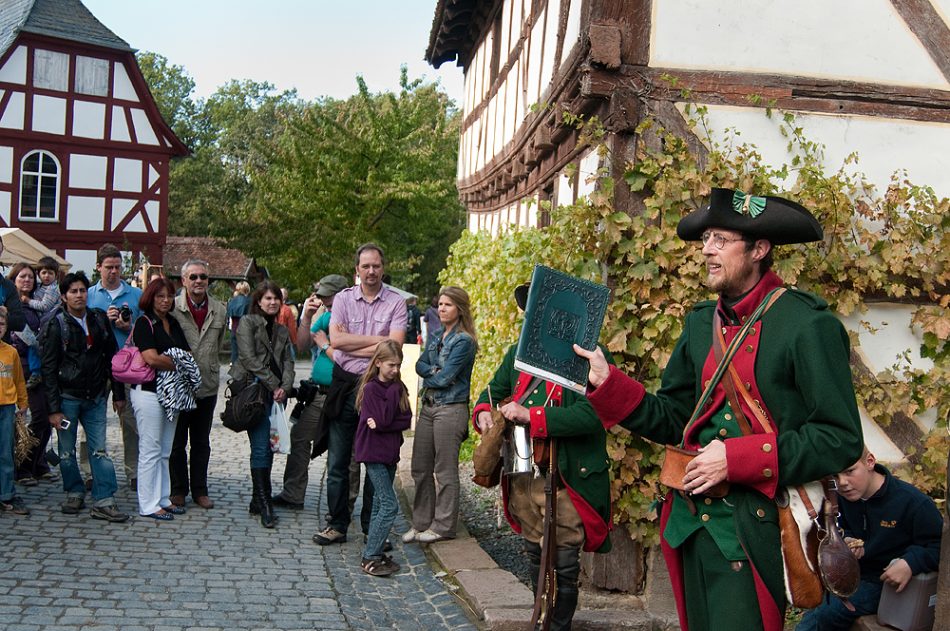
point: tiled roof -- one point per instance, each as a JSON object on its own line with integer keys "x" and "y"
{"x": 12, "y": 15}
{"x": 225, "y": 263}
{"x": 64, "y": 19}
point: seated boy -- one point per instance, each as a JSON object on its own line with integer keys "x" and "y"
{"x": 894, "y": 531}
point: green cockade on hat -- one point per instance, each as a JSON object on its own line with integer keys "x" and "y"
{"x": 747, "y": 204}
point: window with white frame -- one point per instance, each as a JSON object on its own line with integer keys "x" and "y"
{"x": 39, "y": 187}
{"x": 50, "y": 70}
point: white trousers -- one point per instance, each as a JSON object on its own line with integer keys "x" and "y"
{"x": 156, "y": 435}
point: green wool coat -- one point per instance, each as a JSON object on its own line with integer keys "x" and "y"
{"x": 581, "y": 452}
{"x": 796, "y": 362}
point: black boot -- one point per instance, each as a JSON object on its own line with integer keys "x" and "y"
{"x": 254, "y": 508}
{"x": 568, "y": 567}
{"x": 533, "y": 550}
{"x": 262, "y": 496}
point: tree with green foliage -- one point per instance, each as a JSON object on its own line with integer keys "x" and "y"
{"x": 374, "y": 167}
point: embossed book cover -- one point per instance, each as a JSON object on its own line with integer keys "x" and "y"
{"x": 561, "y": 310}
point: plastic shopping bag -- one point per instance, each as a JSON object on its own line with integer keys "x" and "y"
{"x": 279, "y": 430}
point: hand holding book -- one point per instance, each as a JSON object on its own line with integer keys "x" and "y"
{"x": 599, "y": 368}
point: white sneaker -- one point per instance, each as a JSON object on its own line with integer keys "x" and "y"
{"x": 410, "y": 536}
{"x": 428, "y": 537}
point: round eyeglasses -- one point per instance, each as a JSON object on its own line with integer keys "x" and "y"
{"x": 718, "y": 241}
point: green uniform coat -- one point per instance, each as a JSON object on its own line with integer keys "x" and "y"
{"x": 796, "y": 362}
{"x": 582, "y": 456}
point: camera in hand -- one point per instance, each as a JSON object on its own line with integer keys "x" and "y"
{"x": 125, "y": 314}
{"x": 304, "y": 394}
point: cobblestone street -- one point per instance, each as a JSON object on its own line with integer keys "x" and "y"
{"x": 208, "y": 569}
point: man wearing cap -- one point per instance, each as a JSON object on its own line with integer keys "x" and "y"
{"x": 204, "y": 321}
{"x": 308, "y": 428}
{"x": 724, "y": 554}
{"x": 583, "y": 497}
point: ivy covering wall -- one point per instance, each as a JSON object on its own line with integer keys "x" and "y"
{"x": 880, "y": 246}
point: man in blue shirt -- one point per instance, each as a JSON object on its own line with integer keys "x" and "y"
{"x": 307, "y": 429}
{"x": 120, "y": 301}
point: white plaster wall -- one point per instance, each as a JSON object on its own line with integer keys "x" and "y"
{"x": 5, "y": 206}
{"x": 143, "y": 128}
{"x": 860, "y": 40}
{"x": 122, "y": 87}
{"x": 6, "y": 165}
{"x": 121, "y": 208}
{"x": 14, "y": 114}
{"x": 572, "y": 33}
{"x": 877, "y": 441}
{"x": 506, "y": 38}
{"x": 120, "y": 129}
{"x": 565, "y": 191}
{"x": 127, "y": 175}
{"x": 891, "y": 336}
{"x": 151, "y": 209}
{"x": 883, "y": 145}
{"x": 85, "y": 213}
{"x": 87, "y": 171}
{"x": 588, "y": 168}
{"x": 943, "y": 8}
{"x": 533, "y": 71}
{"x": 82, "y": 260}
{"x": 49, "y": 114}
{"x": 89, "y": 119}
{"x": 14, "y": 70}
{"x": 548, "y": 62}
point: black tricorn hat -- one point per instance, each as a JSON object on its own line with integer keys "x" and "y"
{"x": 521, "y": 295}
{"x": 778, "y": 220}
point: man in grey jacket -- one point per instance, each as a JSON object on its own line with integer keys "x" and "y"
{"x": 205, "y": 323}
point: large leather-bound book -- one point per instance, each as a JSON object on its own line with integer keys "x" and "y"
{"x": 561, "y": 310}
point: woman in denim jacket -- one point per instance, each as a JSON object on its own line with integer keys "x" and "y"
{"x": 446, "y": 370}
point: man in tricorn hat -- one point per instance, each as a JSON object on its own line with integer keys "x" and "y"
{"x": 724, "y": 553}
{"x": 583, "y": 484}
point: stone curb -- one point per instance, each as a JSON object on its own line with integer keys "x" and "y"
{"x": 497, "y": 597}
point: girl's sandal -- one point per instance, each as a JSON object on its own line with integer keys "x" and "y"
{"x": 376, "y": 567}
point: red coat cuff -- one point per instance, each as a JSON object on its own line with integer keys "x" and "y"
{"x": 616, "y": 398}
{"x": 539, "y": 422}
{"x": 481, "y": 407}
{"x": 753, "y": 461}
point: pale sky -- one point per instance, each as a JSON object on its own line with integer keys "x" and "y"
{"x": 316, "y": 46}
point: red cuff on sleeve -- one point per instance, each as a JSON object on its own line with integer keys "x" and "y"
{"x": 753, "y": 461}
{"x": 616, "y": 398}
{"x": 539, "y": 422}
{"x": 481, "y": 407}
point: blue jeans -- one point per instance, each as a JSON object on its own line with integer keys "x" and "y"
{"x": 261, "y": 455}
{"x": 92, "y": 414}
{"x": 831, "y": 615}
{"x": 7, "y": 433}
{"x": 341, "y": 432}
{"x": 385, "y": 508}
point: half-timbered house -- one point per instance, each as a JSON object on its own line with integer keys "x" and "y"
{"x": 864, "y": 76}
{"x": 84, "y": 152}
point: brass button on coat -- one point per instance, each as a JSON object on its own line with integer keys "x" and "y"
{"x": 760, "y": 513}
{"x": 767, "y": 447}
{"x": 723, "y": 432}
{"x": 728, "y": 417}
{"x": 707, "y": 501}
{"x": 749, "y": 348}
{"x": 767, "y": 473}
{"x": 583, "y": 469}
{"x": 705, "y": 517}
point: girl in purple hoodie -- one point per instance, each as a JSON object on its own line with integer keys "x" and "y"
{"x": 383, "y": 403}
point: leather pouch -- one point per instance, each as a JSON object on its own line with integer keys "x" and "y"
{"x": 674, "y": 470}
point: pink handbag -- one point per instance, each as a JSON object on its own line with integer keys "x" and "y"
{"x": 128, "y": 365}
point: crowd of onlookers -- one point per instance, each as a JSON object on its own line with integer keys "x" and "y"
{"x": 65, "y": 332}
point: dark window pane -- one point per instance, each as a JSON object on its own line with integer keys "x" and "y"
{"x": 49, "y": 166}
{"x": 32, "y": 163}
